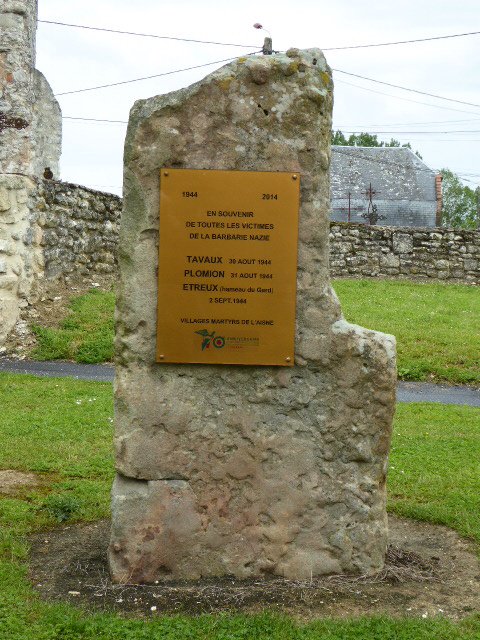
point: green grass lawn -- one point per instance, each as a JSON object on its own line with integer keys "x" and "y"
{"x": 63, "y": 429}
{"x": 85, "y": 335}
{"x": 434, "y": 472}
{"x": 437, "y": 327}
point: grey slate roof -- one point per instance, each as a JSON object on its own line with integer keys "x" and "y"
{"x": 396, "y": 173}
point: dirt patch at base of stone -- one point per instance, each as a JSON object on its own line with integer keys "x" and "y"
{"x": 14, "y": 482}
{"x": 430, "y": 571}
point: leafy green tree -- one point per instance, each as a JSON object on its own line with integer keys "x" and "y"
{"x": 365, "y": 140}
{"x": 459, "y": 202}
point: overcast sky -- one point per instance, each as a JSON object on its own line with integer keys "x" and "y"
{"x": 74, "y": 59}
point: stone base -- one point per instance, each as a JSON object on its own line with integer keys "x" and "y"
{"x": 280, "y": 472}
{"x": 161, "y": 531}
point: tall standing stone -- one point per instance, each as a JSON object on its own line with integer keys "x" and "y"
{"x": 246, "y": 470}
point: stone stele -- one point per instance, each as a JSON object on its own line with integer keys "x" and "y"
{"x": 246, "y": 470}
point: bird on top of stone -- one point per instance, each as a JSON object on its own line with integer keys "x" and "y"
{"x": 47, "y": 174}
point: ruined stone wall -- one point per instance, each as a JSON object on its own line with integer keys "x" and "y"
{"x": 80, "y": 229}
{"x": 20, "y": 251}
{"x": 46, "y": 128}
{"x": 30, "y": 141}
{"x": 444, "y": 254}
{"x": 30, "y": 118}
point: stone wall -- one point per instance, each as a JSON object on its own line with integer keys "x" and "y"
{"x": 49, "y": 232}
{"x": 80, "y": 229}
{"x": 80, "y": 236}
{"x": 446, "y": 254}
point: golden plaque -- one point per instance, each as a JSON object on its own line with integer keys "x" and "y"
{"x": 227, "y": 267}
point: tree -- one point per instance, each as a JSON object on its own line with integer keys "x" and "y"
{"x": 366, "y": 140}
{"x": 459, "y": 208}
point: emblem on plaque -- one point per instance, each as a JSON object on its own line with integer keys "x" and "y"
{"x": 210, "y": 338}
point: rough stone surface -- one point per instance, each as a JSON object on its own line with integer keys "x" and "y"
{"x": 20, "y": 255}
{"x": 246, "y": 470}
{"x": 30, "y": 117}
{"x": 79, "y": 230}
{"x": 50, "y": 231}
{"x": 46, "y": 128}
{"x": 30, "y": 141}
{"x": 441, "y": 254}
